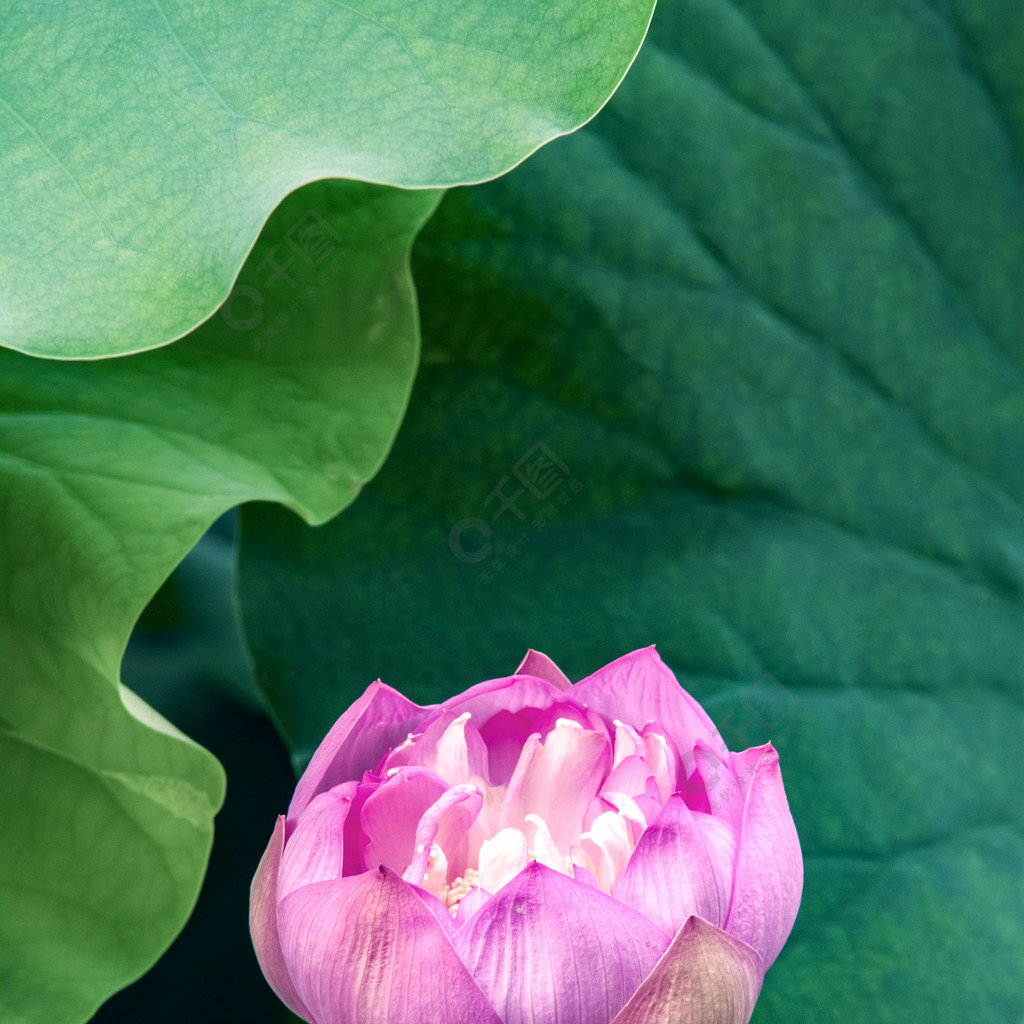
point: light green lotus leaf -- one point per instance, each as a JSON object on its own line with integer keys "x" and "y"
{"x": 143, "y": 146}
{"x": 111, "y": 471}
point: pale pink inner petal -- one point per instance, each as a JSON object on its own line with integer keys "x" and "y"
{"x": 628, "y": 743}
{"x": 461, "y": 755}
{"x": 608, "y": 842}
{"x": 558, "y": 781}
{"x": 391, "y": 815}
{"x": 507, "y": 815}
{"x": 429, "y": 870}
{"x": 630, "y": 775}
{"x": 661, "y": 759}
{"x": 447, "y": 839}
{"x": 502, "y": 857}
{"x": 631, "y": 812}
{"x": 543, "y": 847}
{"x": 450, "y": 746}
{"x": 640, "y": 758}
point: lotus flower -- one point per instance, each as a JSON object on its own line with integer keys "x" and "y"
{"x": 529, "y": 852}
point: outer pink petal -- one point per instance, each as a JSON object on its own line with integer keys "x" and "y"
{"x": 438, "y": 909}
{"x": 368, "y": 949}
{"x": 682, "y": 865}
{"x": 379, "y": 720}
{"x": 705, "y": 977}
{"x": 263, "y": 925}
{"x": 769, "y": 867}
{"x": 512, "y": 694}
{"x": 541, "y": 666}
{"x": 548, "y": 949}
{"x": 639, "y": 688}
{"x": 315, "y": 851}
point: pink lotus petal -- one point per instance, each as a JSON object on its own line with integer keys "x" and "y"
{"x": 542, "y": 846}
{"x": 507, "y": 731}
{"x": 579, "y": 760}
{"x": 470, "y": 904}
{"x": 502, "y": 857}
{"x": 315, "y": 851}
{"x": 542, "y": 667}
{"x": 713, "y": 786}
{"x": 629, "y": 776}
{"x": 608, "y": 842}
{"x": 263, "y": 924}
{"x": 634, "y": 813}
{"x": 682, "y": 865}
{"x": 449, "y": 824}
{"x": 368, "y": 949}
{"x": 379, "y": 720}
{"x": 769, "y": 866}
{"x": 628, "y": 743}
{"x": 705, "y": 977}
{"x": 549, "y": 949}
{"x": 392, "y": 813}
{"x": 638, "y": 688}
{"x": 450, "y": 746}
{"x": 663, "y": 758}
{"x": 510, "y": 799}
{"x": 511, "y": 693}
{"x": 437, "y": 908}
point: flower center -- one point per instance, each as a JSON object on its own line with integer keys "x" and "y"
{"x": 562, "y": 798}
{"x": 453, "y": 893}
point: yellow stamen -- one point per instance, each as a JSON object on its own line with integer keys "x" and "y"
{"x": 452, "y": 894}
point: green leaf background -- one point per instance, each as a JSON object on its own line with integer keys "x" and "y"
{"x": 144, "y": 145}
{"x": 764, "y": 314}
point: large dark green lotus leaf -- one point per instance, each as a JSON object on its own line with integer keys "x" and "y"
{"x": 761, "y": 324}
{"x": 143, "y": 146}
{"x": 112, "y": 470}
